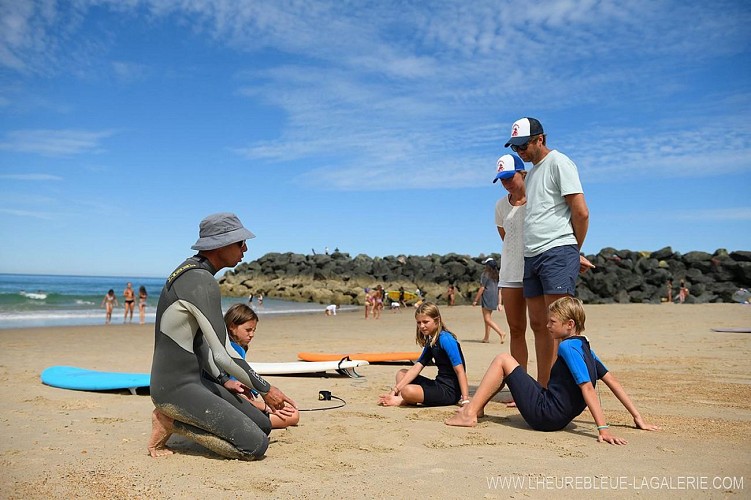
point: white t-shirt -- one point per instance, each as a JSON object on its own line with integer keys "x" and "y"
{"x": 331, "y": 309}
{"x": 511, "y": 219}
{"x": 547, "y": 223}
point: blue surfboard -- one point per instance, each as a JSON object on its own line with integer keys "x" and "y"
{"x": 81, "y": 379}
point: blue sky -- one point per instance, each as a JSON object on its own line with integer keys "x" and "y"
{"x": 373, "y": 127}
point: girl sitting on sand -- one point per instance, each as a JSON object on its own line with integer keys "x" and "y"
{"x": 571, "y": 387}
{"x": 439, "y": 345}
{"x": 241, "y": 323}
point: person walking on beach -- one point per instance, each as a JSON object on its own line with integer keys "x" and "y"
{"x": 442, "y": 349}
{"x": 487, "y": 295}
{"x": 669, "y": 290}
{"x": 451, "y": 295}
{"x": 509, "y": 220}
{"x": 191, "y": 387}
{"x": 571, "y": 387}
{"x": 555, "y": 226}
{"x": 129, "y": 297}
{"x": 142, "y": 297}
{"x": 682, "y": 292}
{"x": 109, "y": 302}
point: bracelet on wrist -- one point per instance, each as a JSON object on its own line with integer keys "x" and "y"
{"x": 601, "y": 427}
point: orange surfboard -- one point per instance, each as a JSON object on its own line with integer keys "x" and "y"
{"x": 371, "y": 357}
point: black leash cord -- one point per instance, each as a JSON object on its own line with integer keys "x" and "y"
{"x": 343, "y": 402}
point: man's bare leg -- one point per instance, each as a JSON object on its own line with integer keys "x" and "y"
{"x": 161, "y": 430}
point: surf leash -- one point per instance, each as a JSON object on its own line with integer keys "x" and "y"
{"x": 326, "y": 396}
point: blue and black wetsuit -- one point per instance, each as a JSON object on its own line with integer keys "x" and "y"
{"x": 554, "y": 408}
{"x": 193, "y": 358}
{"x": 445, "y": 354}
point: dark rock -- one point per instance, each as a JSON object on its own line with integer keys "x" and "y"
{"x": 662, "y": 254}
{"x": 741, "y": 256}
{"x": 620, "y": 276}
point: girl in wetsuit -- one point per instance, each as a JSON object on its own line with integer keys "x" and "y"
{"x": 241, "y": 323}
{"x": 571, "y": 387}
{"x": 440, "y": 346}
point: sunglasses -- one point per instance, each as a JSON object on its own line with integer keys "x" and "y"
{"x": 522, "y": 147}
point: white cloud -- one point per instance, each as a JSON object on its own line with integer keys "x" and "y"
{"x": 27, "y": 214}
{"x": 54, "y": 142}
{"x": 31, "y": 177}
{"x": 739, "y": 214}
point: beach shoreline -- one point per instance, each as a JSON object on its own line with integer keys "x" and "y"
{"x": 694, "y": 383}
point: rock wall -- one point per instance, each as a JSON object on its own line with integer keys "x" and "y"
{"x": 620, "y": 276}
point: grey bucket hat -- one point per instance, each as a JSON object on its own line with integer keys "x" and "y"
{"x": 220, "y": 230}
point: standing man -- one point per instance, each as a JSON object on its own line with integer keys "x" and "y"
{"x": 130, "y": 302}
{"x": 555, "y": 225}
{"x": 193, "y": 360}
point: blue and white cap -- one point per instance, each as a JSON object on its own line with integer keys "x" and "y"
{"x": 507, "y": 166}
{"x": 522, "y": 130}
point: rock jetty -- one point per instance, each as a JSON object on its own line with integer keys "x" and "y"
{"x": 621, "y": 276}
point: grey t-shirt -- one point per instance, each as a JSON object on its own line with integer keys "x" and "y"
{"x": 547, "y": 223}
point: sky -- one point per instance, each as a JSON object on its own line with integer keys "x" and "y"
{"x": 369, "y": 126}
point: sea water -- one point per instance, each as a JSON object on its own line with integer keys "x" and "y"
{"x": 28, "y": 300}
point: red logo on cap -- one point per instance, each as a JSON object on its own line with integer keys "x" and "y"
{"x": 515, "y": 130}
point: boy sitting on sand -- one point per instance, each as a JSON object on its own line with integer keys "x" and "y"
{"x": 571, "y": 387}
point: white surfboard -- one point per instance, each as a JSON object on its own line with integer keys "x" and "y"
{"x": 345, "y": 367}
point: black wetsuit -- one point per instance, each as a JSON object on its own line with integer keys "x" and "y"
{"x": 193, "y": 357}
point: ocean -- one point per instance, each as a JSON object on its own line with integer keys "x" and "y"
{"x": 28, "y": 300}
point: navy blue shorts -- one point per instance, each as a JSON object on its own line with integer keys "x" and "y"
{"x": 437, "y": 393}
{"x": 532, "y": 402}
{"x": 553, "y": 272}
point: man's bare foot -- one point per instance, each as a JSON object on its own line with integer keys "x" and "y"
{"x": 390, "y": 400}
{"x": 503, "y": 338}
{"x": 485, "y": 341}
{"x": 462, "y": 419}
{"x": 161, "y": 430}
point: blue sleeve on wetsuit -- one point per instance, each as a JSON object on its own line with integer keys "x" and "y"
{"x": 449, "y": 344}
{"x": 573, "y": 355}
{"x": 426, "y": 357}
{"x": 238, "y": 348}
{"x": 599, "y": 365}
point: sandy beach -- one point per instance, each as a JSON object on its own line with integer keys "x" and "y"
{"x": 694, "y": 383}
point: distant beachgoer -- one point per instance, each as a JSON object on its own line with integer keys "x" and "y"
{"x": 250, "y": 299}
{"x": 488, "y": 297}
{"x": 109, "y": 302}
{"x": 331, "y": 310}
{"x": 395, "y": 306}
{"x": 682, "y": 292}
{"x": 402, "y": 302}
{"x": 191, "y": 387}
{"x": 556, "y": 222}
{"x": 242, "y": 322}
{"x": 451, "y": 295}
{"x": 441, "y": 348}
{"x": 571, "y": 387}
{"x": 142, "y": 296}
{"x": 369, "y": 302}
{"x": 669, "y": 290}
{"x": 260, "y": 299}
{"x": 378, "y": 297}
{"x": 129, "y": 295}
